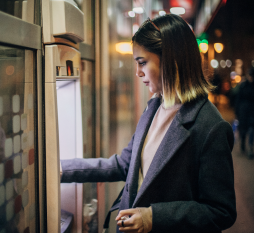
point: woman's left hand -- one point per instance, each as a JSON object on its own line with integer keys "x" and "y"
{"x": 134, "y": 223}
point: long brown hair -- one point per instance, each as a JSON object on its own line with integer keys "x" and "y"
{"x": 171, "y": 38}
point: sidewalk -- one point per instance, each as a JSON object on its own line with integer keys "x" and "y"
{"x": 244, "y": 181}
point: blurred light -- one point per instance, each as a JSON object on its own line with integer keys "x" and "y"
{"x": 228, "y": 63}
{"x": 177, "y": 10}
{"x": 218, "y": 47}
{"x": 238, "y": 78}
{"x": 161, "y": 13}
{"x": 205, "y": 41}
{"x": 120, "y": 64}
{"x": 252, "y": 63}
{"x": 124, "y": 47}
{"x": 233, "y": 74}
{"x": 223, "y": 64}
{"x": 203, "y": 47}
{"x": 218, "y": 32}
{"x": 135, "y": 27}
{"x": 214, "y": 63}
{"x": 226, "y": 86}
{"x": 131, "y": 14}
{"x": 238, "y": 62}
{"x": 138, "y": 10}
{"x": 109, "y": 11}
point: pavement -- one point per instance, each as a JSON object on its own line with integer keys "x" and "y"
{"x": 244, "y": 181}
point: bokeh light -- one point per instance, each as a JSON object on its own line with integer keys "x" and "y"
{"x": 203, "y": 47}
{"x": 214, "y": 63}
{"x": 232, "y": 75}
{"x": 124, "y": 47}
{"x": 161, "y": 13}
{"x": 138, "y": 10}
{"x": 223, "y": 63}
{"x": 238, "y": 78}
{"x": 218, "y": 47}
{"x": 131, "y": 14}
{"x": 177, "y": 10}
{"x": 228, "y": 63}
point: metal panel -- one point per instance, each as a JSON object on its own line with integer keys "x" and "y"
{"x": 18, "y": 32}
{"x": 87, "y": 51}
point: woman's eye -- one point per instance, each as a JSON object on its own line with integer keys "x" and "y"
{"x": 142, "y": 63}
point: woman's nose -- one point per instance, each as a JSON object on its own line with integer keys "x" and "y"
{"x": 139, "y": 73}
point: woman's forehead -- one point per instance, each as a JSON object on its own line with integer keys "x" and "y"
{"x": 138, "y": 51}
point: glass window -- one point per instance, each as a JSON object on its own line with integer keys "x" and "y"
{"x": 90, "y": 213}
{"x": 17, "y": 151}
{"x": 22, "y": 9}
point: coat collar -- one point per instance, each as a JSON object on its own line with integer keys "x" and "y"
{"x": 176, "y": 135}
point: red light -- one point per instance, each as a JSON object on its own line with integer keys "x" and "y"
{"x": 181, "y": 3}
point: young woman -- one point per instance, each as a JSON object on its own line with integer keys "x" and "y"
{"x": 178, "y": 166}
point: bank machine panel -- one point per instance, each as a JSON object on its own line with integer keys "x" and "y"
{"x": 63, "y": 134}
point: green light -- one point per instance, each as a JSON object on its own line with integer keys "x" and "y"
{"x": 205, "y": 41}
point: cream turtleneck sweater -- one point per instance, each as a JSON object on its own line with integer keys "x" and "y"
{"x": 159, "y": 126}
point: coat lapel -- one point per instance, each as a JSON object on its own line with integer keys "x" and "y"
{"x": 140, "y": 134}
{"x": 176, "y": 135}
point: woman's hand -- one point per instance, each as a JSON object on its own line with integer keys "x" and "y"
{"x": 139, "y": 221}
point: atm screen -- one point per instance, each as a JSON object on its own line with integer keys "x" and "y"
{"x": 66, "y": 105}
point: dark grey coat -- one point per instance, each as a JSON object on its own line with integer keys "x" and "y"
{"x": 190, "y": 182}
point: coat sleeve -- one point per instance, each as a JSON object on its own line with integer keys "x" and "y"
{"x": 215, "y": 208}
{"x": 110, "y": 169}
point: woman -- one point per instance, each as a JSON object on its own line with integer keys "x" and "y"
{"x": 178, "y": 166}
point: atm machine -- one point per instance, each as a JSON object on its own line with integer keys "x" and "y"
{"x": 63, "y": 31}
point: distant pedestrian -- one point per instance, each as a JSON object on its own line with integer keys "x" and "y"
{"x": 245, "y": 111}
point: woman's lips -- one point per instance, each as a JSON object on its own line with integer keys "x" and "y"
{"x": 146, "y": 83}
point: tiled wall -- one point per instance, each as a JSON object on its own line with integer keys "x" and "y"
{"x": 17, "y": 155}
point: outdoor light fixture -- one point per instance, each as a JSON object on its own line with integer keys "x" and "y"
{"x": 161, "y": 13}
{"x": 138, "y": 10}
{"x": 214, "y": 63}
{"x": 177, "y": 10}
{"x": 131, "y": 14}
{"x": 218, "y": 47}
{"x": 124, "y": 47}
{"x": 223, "y": 63}
{"x": 203, "y": 47}
{"x": 228, "y": 63}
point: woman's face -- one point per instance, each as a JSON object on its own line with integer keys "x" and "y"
{"x": 148, "y": 68}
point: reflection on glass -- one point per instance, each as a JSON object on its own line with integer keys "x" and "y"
{"x": 90, "y": 214}
{"x": 17, "y": 155}
{"x": 14, "y": 7}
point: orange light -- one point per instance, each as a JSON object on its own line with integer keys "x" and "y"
{"x": 238, "y": 78}
{"x": 218, "y": 47}
{"x": 203, "y": 47}
{"x": 124, "y": 48}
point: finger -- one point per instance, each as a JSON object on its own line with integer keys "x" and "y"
{"x": 125, "y": 212}
{"x": 126, "y": 223}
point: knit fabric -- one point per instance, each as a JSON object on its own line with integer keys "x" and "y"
{"x": 160, "y": 124}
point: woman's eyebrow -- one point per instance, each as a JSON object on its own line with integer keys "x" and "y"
{"x": 137, "y": 58}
